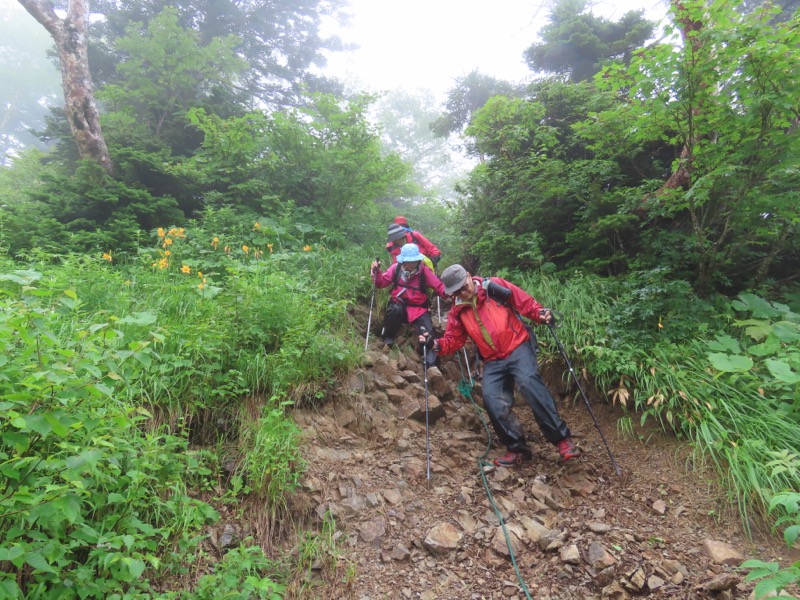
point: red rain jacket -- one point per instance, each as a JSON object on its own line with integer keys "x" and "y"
{"x": 491, "y": 319}
{"x": 426, "y": 247}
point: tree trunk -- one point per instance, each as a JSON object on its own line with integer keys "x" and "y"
{"x": 70, "y": 35}
{"x": 682, "y": 176}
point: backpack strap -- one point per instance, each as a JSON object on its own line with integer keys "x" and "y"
{"x": 421, "y": 287}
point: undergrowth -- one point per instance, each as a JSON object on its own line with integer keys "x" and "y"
{"x": 112, "y": 365}
{"x": 728, "y": 382}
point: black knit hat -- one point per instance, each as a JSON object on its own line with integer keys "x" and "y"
{"x": 395, "y": 232}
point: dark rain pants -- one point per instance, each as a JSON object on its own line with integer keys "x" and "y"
{"x": 394, "y": 320}
{"x": 499, "y": 377}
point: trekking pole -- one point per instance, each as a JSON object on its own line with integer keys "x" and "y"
{"x": 469, "y": 373}
{"x": 371, "y": 302}
{"x": 438, "y": 303}
{"x": 552, "y": 327}
{"x": 423, "y": 331}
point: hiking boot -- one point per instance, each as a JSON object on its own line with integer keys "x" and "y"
{"x": 512, "y": 458}
{"x": 567, "y": 449}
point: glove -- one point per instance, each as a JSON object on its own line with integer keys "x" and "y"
{"x": 542, "y": 314}
{"x": 426, "y": 339}
{"x": 435, "y": 261}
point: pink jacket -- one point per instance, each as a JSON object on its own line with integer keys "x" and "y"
{"x": 408, "y": 292}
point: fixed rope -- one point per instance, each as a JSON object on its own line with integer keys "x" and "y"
{"x": 465, "y": 389}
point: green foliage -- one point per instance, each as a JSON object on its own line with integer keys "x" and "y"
{"x": 771, "y": 578}
{"x": 99, "y": 352}
{"x": 717, "y": 383}
{"x": 272, "y": 465}
{"x": 280, "y": 40}
{"x": 725, "y": 99}
{"x": 325, "y": 160}
{"x": 536, "y": 187}
{"x": 166, "y": 72}
{"x": 241, "y": 575}
{"x": 575, "y": 44}
{"x": 89, "y": 501}
{"x": 653, "y": 306}
{"x": 470, "y": 93}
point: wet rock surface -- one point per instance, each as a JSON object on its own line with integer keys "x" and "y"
{"x": 429, "y": 530}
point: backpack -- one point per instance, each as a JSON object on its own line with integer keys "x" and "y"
{"x": 422, "y": 285}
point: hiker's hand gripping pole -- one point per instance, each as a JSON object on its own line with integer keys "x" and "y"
{"x": 371, "y": 302}
{"x": 424, "y": 335}
{"x": 551, "y": 325}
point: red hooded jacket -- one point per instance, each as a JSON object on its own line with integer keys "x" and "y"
{"x": 494, "y": 328}
{"x": 414, "y": 237}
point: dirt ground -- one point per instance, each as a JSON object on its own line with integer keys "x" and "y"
{"x": 402, "y": 535}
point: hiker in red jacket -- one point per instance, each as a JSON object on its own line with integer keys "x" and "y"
{"x": 487, "y": 311}
{"x": 399, "y": 233}
{"x": 410, "y": 281}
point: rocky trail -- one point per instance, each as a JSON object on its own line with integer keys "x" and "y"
{"x": 577, "y": 530}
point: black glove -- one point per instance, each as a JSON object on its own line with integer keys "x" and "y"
{"x": 429, "y": 339}
{"x": 435, "y": 261}
{"x": 552, "y": 322}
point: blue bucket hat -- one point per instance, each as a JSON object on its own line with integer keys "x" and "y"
{"x": 409, "y": 253}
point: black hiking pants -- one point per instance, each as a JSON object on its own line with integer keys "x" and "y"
{"x": 522, "y": 369}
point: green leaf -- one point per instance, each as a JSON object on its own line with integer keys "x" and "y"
{"x": 38, "y": 562}
{"x": 770, "y": 346}
{"x": 791, "y": 534}
{"x": 773, "y": 583}
{"x": 23, "y": 277}
{"x": 724, "y": 343}
{"x": 139, "y": 318}
{"x": 38, "y": 424}
{"x": 85, "y": 460}
{"x": 209, "y": 291}
{"x": 10, "y": 589}
{"x": 730, "y": 363}
{"x": 11, "y": 553}
{"x": 754, "y": 304}
{"x": 69, "y": 507}
{"x": 782, "y": 371}
{"x": 59, "y": 427}
{"x": 135, "y": 566}
{"x": 786, "y": 331}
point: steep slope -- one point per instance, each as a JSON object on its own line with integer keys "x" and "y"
{"x": 576, "y": 529}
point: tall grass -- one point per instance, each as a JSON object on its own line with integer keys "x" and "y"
{"x": 740, "y": 419}
{"x": 182, "y": 334}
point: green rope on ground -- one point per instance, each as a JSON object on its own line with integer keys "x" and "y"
{"x": 465, "y": 389}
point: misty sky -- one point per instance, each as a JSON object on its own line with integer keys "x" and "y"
{"x": 429, "y": 43}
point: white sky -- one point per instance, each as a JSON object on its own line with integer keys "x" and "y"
{"x": 429, "y": 43}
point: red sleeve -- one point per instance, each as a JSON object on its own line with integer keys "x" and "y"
{"x": 525, "y": 304}
{"x": 454, "y": 338}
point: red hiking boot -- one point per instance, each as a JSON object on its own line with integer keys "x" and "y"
{"x": 512, "y": 459}
{"x": 567, "y": 449}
